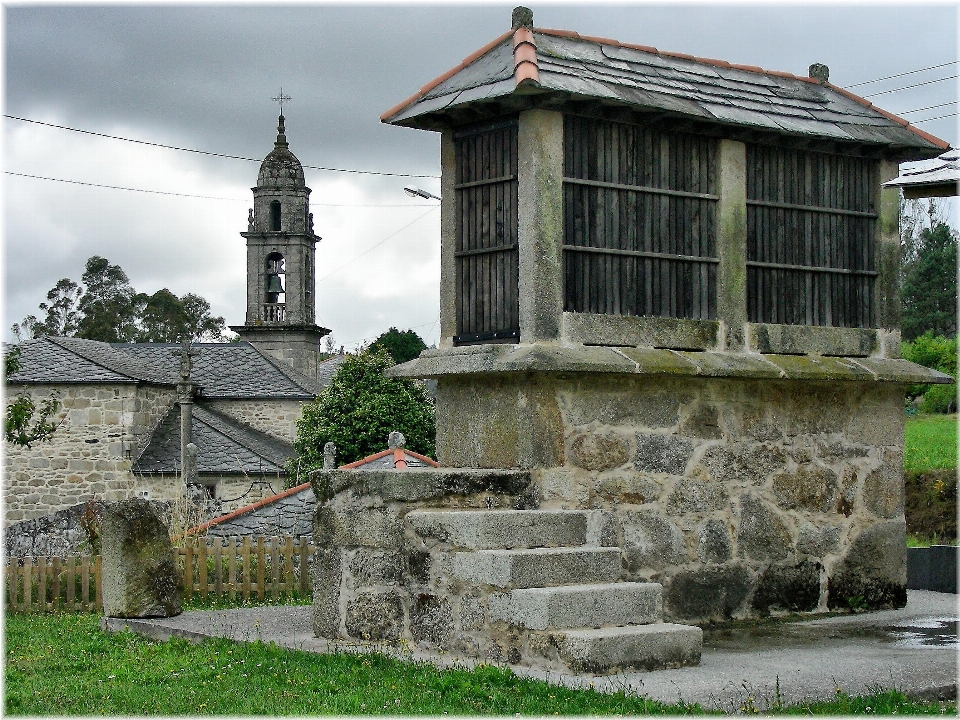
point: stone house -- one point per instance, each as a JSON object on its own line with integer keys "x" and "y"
{"x": 120, "y": 409}
{"x": 668, "y": 378}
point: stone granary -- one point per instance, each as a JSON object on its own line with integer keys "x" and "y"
{"x": 120, "y": 430}
{"x": 669, "y": 383}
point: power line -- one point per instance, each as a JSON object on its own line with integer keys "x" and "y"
{"x": 939, "y": 117}
{"x": 394, "y": 234}
{"x": 209, "y": 197}
{"x": 911, "y": 72}
{"x": 207, "y": 152}
{"x": 907, "y": 87}
{"x": 928, "y": 107}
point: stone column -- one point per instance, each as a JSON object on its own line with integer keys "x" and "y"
{"x": 448, "y": 240}
{"x": 732, "y": 243}
{"x": 540, "y": 155}
{"x": 887, "y": 284}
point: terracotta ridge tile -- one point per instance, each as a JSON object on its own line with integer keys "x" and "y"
{"x": 368, "y": 458}
{"x": 780, "y": 73}
{"x": 557, "y": 33}
{"x": 525, "y": 67}
{"x": 424, "y": 458}
{"x": 247, "y": 508}
{"x": 682, "y": 56}
{"x": 713, "y": 61}
{"x": 749, "y": 68}
{"x": 642, "y": 48}
{"x": 942, "y": 144}
{"x": 601, "y": 40}
{"x": 399, "y": 459}
{"x": 890, "y": 116}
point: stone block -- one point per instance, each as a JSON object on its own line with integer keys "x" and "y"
{"x": 629, "y": 489}
{"x": 375, "y": 567}
{"x": 702, "y": 420}
{"x": 430, "y": 619}
{"x": 140, "y": 576}
{"x": 599, "y": 451}
{"x": 326, "y": 568}
{"x": 708, "y": 594}
{"x": 713, "y": 543}
{"x": 375, "y": 527}
{"x": 883, "y": 489}
{"x": 795, "y": 588}
{"x": 691, "y": 495}
{"x": 761, "y": 533}
{"x": 650, "y": 540}
{"x": 491, "y": 529}
{"x": 878, "y": 417}
{"x": 808, "y": 487}
{"x": 743, "y": 462}
{"x": 637, "y": 647}
{"x": 629, "y": 331}
{"x": 375, "y": 616}
{"x": 578, "y": 606}
{"x": 663, "y": 453}
{"x": 873, "y": 572}
{"x": 537, "y": 568}
{"x": 818, "y": 541}
{"x": 607, "y": 403}
{"x": 472, "y": 613}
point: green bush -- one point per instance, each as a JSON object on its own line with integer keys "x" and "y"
{"x": 358, "y": 410}
{"x": 940, "y": 353}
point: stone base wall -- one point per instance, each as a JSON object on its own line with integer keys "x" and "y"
{"x": 277, "y": 418}
{"x": 89, "y": 456}
{"x": 742, "y": 497}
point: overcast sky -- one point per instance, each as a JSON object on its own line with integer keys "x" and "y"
{"x": 203, "y": 77}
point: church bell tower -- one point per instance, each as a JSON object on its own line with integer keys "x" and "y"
{"x": 281, "y": 266}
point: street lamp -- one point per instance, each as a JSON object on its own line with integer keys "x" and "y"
{"x": 417, "y": 192}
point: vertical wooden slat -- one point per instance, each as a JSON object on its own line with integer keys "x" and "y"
{"x": 85, "y": 582}
{"x": 245, "y": 555}
{"x": 202, "y": 567}
{"x": 41, "y": 583}
{"x": 57, "y": 604}
{"x": 288, "y": 565}
{"x": 233, "y": 542}
{"x": 187, "y": 551}
{"x": 71, "y": 579}
{"x": 28, "y": 584}
{"x": 261, "y": 562}
{"x": 218, "y": 566}
{"x": 275, "y": 566}
{"x": 304, "y": 566}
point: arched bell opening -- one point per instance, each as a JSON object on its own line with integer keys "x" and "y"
{"x": 274, "y": 309}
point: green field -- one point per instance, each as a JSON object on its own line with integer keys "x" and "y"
{"x": 930, "y": 442}
{"x": 65, "y": 665}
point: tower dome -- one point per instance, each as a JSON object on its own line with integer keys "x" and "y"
{"x": 281, "y": 169}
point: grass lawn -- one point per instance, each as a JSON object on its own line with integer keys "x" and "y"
{"x": 930, "y": 442}
{"x": 65, "y": 665}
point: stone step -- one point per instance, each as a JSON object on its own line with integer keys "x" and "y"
{"x": 578, "y": 606}
{"x": 635, "y": 647}
{"x": 541, "y": 567}
{"x": 492, "y": 529}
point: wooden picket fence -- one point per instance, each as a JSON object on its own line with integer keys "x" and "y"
{"x": 45, "y": 584}
{"x": 221, "y": 567}
{"x": 238, "y": 567}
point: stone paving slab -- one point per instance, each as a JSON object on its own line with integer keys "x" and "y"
{"x": 913, "y": 649}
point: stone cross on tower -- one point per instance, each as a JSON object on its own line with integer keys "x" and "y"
{"x": 185, "y": 390}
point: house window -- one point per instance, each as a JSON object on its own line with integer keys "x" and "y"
{"x": 639, "y": 221}
{"x": 811, "y": 237}
{"x": 487, "y": 255}
{"x": 275, "y": 216}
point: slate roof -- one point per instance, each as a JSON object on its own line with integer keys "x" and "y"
{"x": 224, "y": 446}
{"x": 944, "y": 170}
{"x": 565, "y": 66}
{"x": 328, "y": 368}
{"x": 291, "y": 512}
{"x": 229, "y": 370}
{"x": 73, "y": 360}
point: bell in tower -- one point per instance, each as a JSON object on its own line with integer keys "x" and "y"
{"x": 281, "y": 266}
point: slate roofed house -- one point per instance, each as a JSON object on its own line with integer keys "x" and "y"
{"x": 939, "y": 177}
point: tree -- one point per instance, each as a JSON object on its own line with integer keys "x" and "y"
{"x": 107, "y": 308}
{"x": 402, "y": 346}
{"x": 24, "y": 421}
{"x": 930, "y": 284}
{"x": 359, "y": 409}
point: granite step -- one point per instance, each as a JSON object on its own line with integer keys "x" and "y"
{"x": 579, "y": 606}
{"x": 614, "y": 649}
{"x": 501, "y": 529}
{"x": 541, "y": 567}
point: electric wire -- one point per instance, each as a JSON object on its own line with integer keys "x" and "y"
{"x": 207, "y": 152}
{"x": 908, "y": 87}
{"x": 939, "y": 117}
{"x": 928, "y": 107}
{"x": 903, "y": 74}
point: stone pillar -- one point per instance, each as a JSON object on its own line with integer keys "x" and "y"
{"x": 448, "y": 240}
{"x": 887, "y": 287}
{"x": 540, "y": 206}
{"x": 732, "y": 243}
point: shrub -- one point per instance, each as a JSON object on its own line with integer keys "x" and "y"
{"x": 940, "y": 353}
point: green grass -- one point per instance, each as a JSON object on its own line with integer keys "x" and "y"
{"x": 65, "y": 665}
{"x": 930, "y": 442}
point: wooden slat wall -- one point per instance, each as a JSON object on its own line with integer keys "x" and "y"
{"x": 827, "y": 237}
{"x": 643, "y": 205}
{"x": 487, "y": 256}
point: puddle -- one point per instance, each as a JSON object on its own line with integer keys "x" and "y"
{"x": 932, "y": 632}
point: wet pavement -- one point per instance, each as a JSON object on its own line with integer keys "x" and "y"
{"x": 913, "y": 649}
